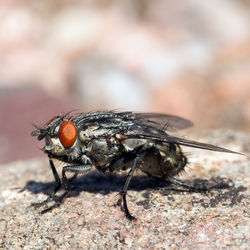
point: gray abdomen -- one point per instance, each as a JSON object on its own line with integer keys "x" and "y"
{"x": 165, "y": 160}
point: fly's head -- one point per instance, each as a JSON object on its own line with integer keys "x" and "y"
{"x": 60, "y": 136}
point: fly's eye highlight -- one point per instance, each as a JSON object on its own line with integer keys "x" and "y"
{"x": 67, "y": 134}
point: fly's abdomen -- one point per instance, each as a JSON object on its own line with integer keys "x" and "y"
{"x": 175, "y": 161}
{"x": 163, "y": 160}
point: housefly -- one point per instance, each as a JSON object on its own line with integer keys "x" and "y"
{"x": 112, "y": 141}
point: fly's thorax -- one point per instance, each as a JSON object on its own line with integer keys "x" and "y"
{"x": 102, "y": 150}
{"x": 88, "y": 133}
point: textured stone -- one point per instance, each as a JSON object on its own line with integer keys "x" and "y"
{"x": 167, "y": 216}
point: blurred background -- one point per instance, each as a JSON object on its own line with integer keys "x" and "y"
{"x": 191, "y": 59}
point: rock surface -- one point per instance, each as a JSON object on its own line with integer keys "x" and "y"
{"x": 167, "y": 216}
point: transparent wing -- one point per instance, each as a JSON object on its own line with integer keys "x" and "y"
{"x": 165, "y": 122}
{"x": 154, "y": 134}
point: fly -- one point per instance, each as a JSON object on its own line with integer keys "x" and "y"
{"x": 113, "y": 141}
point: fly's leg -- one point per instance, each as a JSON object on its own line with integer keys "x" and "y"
{"x": 125, "y": 188}
{"x": 65, "y": 182}
{"x": 182, "y": 184}
{"x": 57, "y": 187}
{"x": 73, "y": 177}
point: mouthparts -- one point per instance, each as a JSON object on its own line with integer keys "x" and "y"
{"x": 40, "y": 133}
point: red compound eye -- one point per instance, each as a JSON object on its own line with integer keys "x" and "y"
{"x": 67, "y": 134}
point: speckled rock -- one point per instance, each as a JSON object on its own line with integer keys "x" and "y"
{"x": 167, "y": 216}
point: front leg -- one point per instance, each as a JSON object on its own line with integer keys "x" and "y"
{"x": 65, "y": 181}
{"x": 57, "y": 187}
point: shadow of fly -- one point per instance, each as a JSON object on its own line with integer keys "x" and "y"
{"x": 113, "y": 141}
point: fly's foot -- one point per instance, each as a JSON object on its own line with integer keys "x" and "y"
{"x": 129, "y": 216}
{"x": 125, "y": 207}
{"x": 118, "y": 203}
{"x": 36, "y": 205}
{"x": 57, "y": 202}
